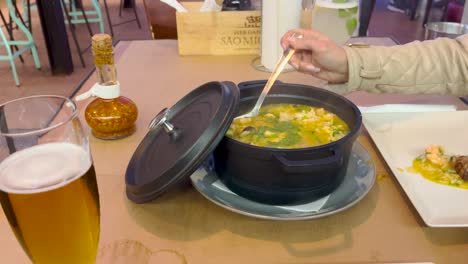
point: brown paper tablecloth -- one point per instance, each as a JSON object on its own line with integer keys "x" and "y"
{"x": 184, "y": 226}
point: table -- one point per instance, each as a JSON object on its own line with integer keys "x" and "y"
{"x": 55, "y": 36}
{"x": 183, "y": 225}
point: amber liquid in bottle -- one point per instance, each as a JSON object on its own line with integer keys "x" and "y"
{"x": 109, "y": 118}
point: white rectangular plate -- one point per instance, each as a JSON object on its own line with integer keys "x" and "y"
{"x": 400, "y": 137}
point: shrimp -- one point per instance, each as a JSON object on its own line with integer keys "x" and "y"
{"x": 435, "y": 154}
{"x": 434, "y": 149}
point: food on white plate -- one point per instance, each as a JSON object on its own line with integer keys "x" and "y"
{"x": 439, "y": 167}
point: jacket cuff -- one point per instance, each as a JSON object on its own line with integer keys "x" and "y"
{"x": 364, "y": 68}
{"x": 354, "y": 66}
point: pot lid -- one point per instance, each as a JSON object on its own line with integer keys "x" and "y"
{"x": 180, "y": 139}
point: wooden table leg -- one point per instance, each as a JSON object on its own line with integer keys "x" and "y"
{"x": 136, "y": 13}
{"x": 367, "y": 7}
{"x": 55, "y": 36}
{"x": 414, "y": 9}
{"x": 127, "y": 4}
{"x": 108, "y": 17}
{"x": 427, "y": 12}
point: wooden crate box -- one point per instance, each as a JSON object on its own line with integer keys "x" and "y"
{"x": 218, "y": 33}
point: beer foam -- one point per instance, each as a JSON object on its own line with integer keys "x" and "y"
{"x": 43, "y": 167}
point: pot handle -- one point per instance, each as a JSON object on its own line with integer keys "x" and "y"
{"x": 301, "y": 166}
{"x": 248, "y": 84}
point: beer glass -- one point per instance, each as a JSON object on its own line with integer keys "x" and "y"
{"x": 48, "y": 188}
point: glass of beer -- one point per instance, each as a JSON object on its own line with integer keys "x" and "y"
{"x": 48, "y": 188}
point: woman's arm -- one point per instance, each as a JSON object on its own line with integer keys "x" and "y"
{"x": 430, "y": 67}
{"x": 436, "y": 67}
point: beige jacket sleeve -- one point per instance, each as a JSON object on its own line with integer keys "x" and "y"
{"x": 431, "y": 67}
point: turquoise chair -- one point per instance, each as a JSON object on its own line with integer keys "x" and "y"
{"x": 25, "y": 45}
{"x": 92, "y": 16}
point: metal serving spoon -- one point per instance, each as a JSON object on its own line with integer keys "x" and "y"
{"x": 276, "y": 72}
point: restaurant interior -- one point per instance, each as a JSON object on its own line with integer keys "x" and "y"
{"x": 155, "y": 17}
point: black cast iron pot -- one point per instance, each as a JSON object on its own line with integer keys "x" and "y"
{"x": 287, "y": 176}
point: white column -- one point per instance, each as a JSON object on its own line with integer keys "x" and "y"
{"x": 278, "y": 16}
{"x": 465, "y": 14}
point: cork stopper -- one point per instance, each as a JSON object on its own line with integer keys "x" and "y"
{"x": 102, "y": 49}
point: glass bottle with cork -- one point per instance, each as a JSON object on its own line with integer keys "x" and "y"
{"x": 110, "y": 115}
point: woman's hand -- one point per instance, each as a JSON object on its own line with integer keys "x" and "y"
{"x": 317, "y": 55}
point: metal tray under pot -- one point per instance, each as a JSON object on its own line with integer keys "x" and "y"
{"x": 287, "y": 176}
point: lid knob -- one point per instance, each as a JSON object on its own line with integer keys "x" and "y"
{"x": 161, "y": 119}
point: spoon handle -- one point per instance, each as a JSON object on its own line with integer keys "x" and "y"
{"x": 276, "y": 72}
